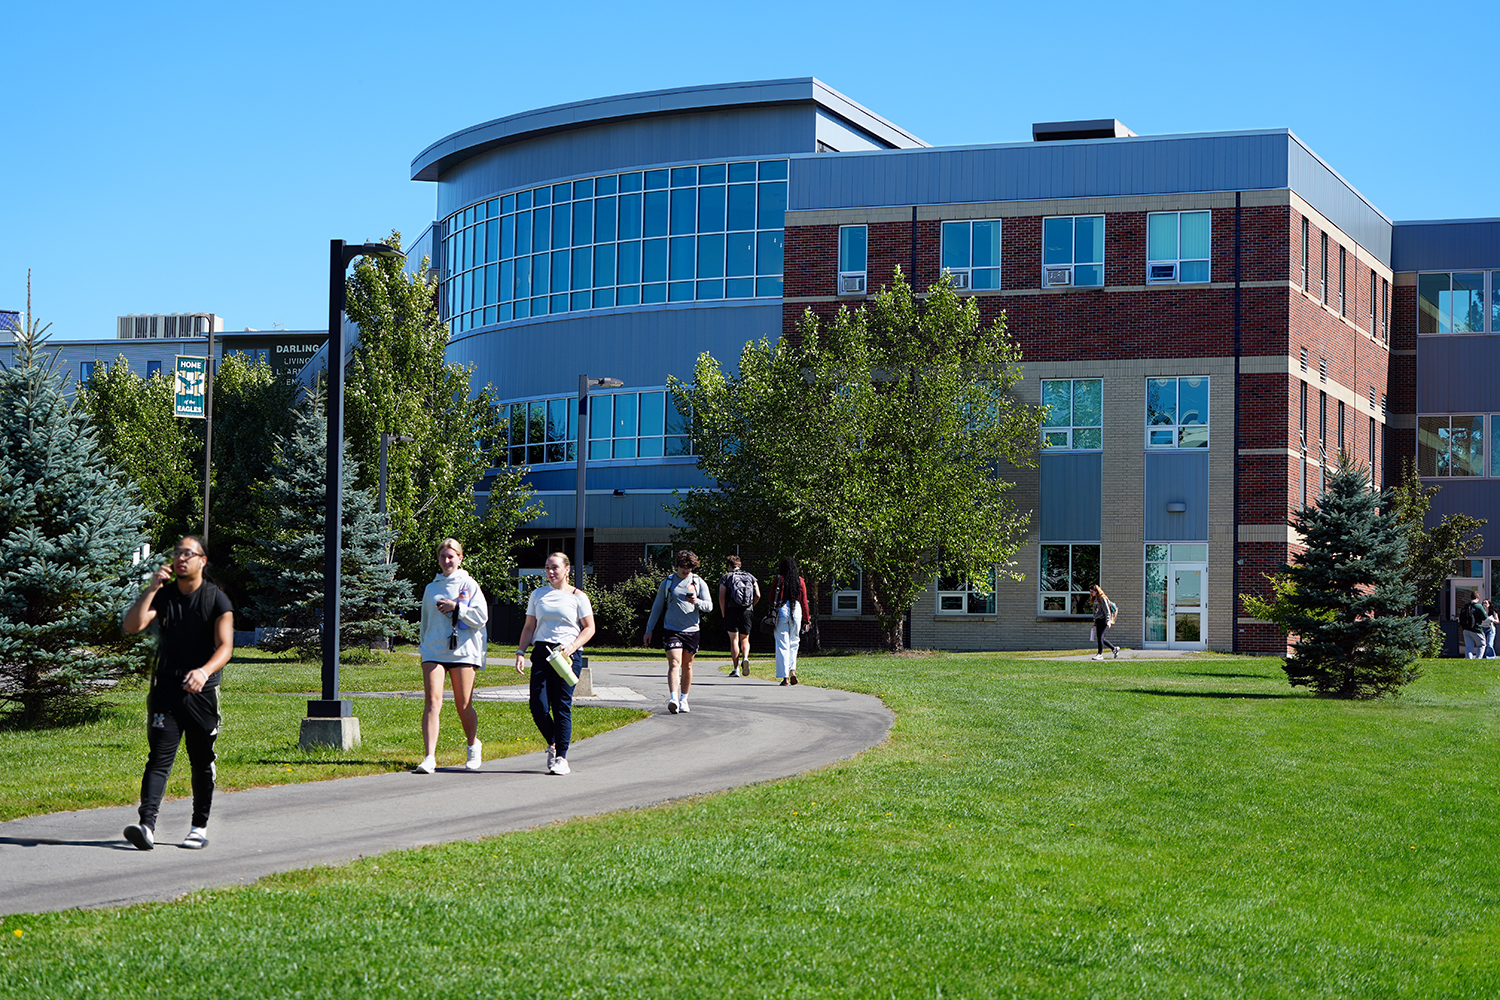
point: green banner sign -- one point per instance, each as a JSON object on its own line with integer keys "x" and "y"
{"x": 191, "y": 373}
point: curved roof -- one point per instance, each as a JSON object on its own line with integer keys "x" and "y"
{"x": 436, "y": 159}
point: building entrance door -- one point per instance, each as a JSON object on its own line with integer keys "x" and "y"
{"x": 1185, "y": 606}
{"x": 1174, "y": 611}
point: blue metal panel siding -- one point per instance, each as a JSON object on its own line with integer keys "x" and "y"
{"x": 641, "y": 510}
{"x": 1444, "y": 246}
{"x": 1072, "y": 491}
{"x": 1457, "y": 374}
{"x": 1475, "y": 497}
{"x": 1031, "y": 171}
{"x": 653, "y": 476}
{"x": 737, "y": 133}
{"x": 640, "y": 346}
{"x": 1340, "y": 204}
{"x": 1176, "y": 476}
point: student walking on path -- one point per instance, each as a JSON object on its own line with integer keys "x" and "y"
{"x": 454, "y": 617}
{"x": 1104, "y": 617}
{"x": 559, "y": 617}
{"x": 738, "y": 594}
{"x": 679, "y": 601}
{"x": 197, "y": 638}
{"x": 789, "y": 598}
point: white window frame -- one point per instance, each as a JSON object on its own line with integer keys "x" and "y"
{"x": 851, "y": 281}
{"x": 1068, "y": 595}
{"x": 1177, "y": 426}
{"x": 1060, "y": 274}
{"x": 847, "y": 594}
{"x": 963, "y": 277}
{"x": 1071, "y": 429}
{"x": 1154, "y": 264}
{"x": 963, "y": 592}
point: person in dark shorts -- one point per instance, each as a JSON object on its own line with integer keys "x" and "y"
{"x": 197, "y": 638}
{"x": 680, "y": 599}
{"x": 738, "y": 592}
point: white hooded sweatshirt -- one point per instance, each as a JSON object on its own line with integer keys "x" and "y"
{"x": 473, "y": 617}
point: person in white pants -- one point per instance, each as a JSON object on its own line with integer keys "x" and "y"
{"x": 789, "y": 598}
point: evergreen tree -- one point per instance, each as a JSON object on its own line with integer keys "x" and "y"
{"x": 69, "y": 521}
{"x": 289, "y": 574}
{"x": 1350, "y": 595}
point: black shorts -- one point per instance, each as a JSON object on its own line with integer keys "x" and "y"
{"x": 738, "y": 620}
{"x": 686, "y": 641}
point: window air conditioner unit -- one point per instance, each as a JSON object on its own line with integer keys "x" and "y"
{"x": 1058, "y": 276}
{"x": 1163, "y": 272}
{"x": 851, "y": 284}
{"x": 960, "y": 279}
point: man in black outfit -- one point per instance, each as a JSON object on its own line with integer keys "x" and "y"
{"x": 197, "y": 639}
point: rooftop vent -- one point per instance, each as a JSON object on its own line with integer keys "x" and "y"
{"x": 1095, "y": 128}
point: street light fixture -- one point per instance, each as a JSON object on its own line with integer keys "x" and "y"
{"x": 331, "y": 719}
{"x": 584, "y": 385}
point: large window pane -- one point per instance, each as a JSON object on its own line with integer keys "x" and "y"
{"x": 654, "y": 266}
{"x": 852, "y": 247}
{"x": 625, "y": 415}
{"x": 583, "y": 224}
{"x": 583, "y": 267}
{"x": 1088, "y": 239}
{"x": 507, "y": 237}
{"x": 684, "y": 212}
{"x": 1088, "y": 402}
{"x": 656, "y": 213}
{"x": 601, "y": 417}
{"x": 559, "y": 272}
{"x": 768, "y": 256}
{"x": 1085, "y": 567}
{"x": 604, "y": 265}
{"x": 741, "y": 253}
{"x": 630, "y": 216}
{"x": 1195, "y": 235}
{"x": 1057, "y": 397}
{"x": 541, "y": 229}
{"x": 1054, "y": 567}
{"x": 540, "y": 275}
{"x": 741, "y": 213}
{"x": 1161, "y": 401}
{"x": 711, "y": 210}
{"x": 771, "y": 213}
{"x": 711, "y": 256}
{"x": 1432, "y": 446}
{"x": 629, "y": 269}
{"x": 1468, "y": 303}
{"x": 562, "y": 220}
{"x": 523, "y": 233}
{"x": 987, "y": 244}
{"x": 1193, "y": 399}
{"x": 523, "y": 277}
{"x": 1467, "y": 443}
{"x": 956, "y": 244}
{"x": 653, "y": 413}
{"x": 1057, "y": 241}
{"x": 1432, "y": 295}
{"x": 682, "y": 254}
{"x": 1161, "y": 236}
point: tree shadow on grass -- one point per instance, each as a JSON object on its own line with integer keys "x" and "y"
{"x": 1246, "y": 695}
{"x": 1212, "y": 673}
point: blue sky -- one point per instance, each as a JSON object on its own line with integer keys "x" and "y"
{"x": 191, "y": 157}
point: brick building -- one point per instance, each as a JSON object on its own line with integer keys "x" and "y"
{"x": 1212, "y": 319}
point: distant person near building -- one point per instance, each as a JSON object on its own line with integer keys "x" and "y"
{"x": 1472, "y": 618}
{"x": 679, "y": 601}
{"x": 196, "y": 622}
{"x": 789, "y": 598}
{"x": 738, "y": 593}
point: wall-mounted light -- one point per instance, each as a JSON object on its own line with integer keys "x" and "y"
{"x": 1176, "y": 507}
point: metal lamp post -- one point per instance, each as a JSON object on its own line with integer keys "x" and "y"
{"x": 208, "y": 425}
{"x": 584, "y": 384}
{"x": 331, "y": 719}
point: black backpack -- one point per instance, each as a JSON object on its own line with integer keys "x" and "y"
{"x": 741, "y": 590}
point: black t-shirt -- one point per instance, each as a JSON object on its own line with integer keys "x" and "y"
{"x": 187, "y": 630}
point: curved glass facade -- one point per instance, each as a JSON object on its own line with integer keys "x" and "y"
{"x": 622, "y": 425}
{"x": 672, "y": 234}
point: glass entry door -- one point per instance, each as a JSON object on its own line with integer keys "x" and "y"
{"x": 1174, "y": 594}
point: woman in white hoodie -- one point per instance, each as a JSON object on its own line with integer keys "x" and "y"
{"x": 454, "y": 616}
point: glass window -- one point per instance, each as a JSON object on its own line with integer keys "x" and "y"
{"x": 853, "y": 242}
{"x": 847, "y": 588}
{"x": 741, "y": 211}
{"x": 711, "y": 210}
{"x": 1452, "y": 302}
{"x": 971, "y": 253}
{"x": 768, "y": 253}
{"x": 740, "y": 249}
{"x": 684, "y": 212}
{"x": 656, "y": 213}
{"x": 1177, "y": 247}
{"x": 153, "y": 368}
{"x": 1075, "y": 414}
{"x": 1065, "y": 573}
{"x": 1073, "y": 251}
{"x": 771, "y": 210}
{"x": 711, "y": 257}
{"x": 742, "y": 172}
{"x": 1450, "y": 445}
{"x": 630, "y": 216}
{"x": 1177, "y": 412}
{"x": 962, "y": 595}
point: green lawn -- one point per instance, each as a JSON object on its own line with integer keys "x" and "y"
{"x": 1033, "y": 828}
{"x": 264, "y": 700}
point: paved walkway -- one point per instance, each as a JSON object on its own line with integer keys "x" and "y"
{"x": 740, "y": 731}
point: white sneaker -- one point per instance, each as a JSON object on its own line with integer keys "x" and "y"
{"x": 476, "y": 756}
{"x": 428, "y": 765}
{"x": 559, "y": 765}
{"x": 1117, "y": 652}
{"x": 140, "y": 835}
{"x": 672, "y": 705}
{"x": 1097, "y": 656}
{"x": 197, "y": 839}
{"x": 682, "y": 706}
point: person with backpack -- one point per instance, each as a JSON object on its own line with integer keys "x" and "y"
{"x": 1472, "y": 618}
{"x": 680, "y": 599}
{"x": 738, "y": 593}
{"x": 1105, "y": 613}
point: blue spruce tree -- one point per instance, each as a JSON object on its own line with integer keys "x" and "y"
{"x": 69, "y": 521}
{"x": 288, "y": 576}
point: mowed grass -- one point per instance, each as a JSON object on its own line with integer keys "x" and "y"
{"x": 263, "y": 701}
{"x": 1033, "y": 828}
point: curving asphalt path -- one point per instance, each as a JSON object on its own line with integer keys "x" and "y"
{"x": 740, "y": 731}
